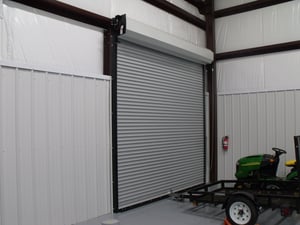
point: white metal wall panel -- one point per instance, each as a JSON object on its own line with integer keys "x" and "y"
{"x": 256, "y": 122}
{"x": 54, "y": 147}
{"x": 160, "y": 113}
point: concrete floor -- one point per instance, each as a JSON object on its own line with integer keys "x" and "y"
{"x": 169, "y": 212}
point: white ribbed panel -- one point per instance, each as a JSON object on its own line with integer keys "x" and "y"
{"x": 54, "y": 148}
{"x": 255, "y": 123}
{"x": 160, "y": 124}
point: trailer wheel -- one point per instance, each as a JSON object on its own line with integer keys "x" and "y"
{"x": 241, "y": 211}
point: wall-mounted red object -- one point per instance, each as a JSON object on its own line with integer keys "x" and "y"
{"x": 225, "y": 143}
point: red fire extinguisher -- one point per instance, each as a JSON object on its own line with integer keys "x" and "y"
{"x": 225, "y": 143}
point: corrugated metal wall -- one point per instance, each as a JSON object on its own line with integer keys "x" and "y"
{"x": 256, "y": 122}
{"x": 54, "y": 147}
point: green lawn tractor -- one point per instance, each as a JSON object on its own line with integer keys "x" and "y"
{"x": 264, "y": 168}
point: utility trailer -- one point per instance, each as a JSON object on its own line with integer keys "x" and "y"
{"x": 244, "y": 200}
{"x": 243, "y": 204}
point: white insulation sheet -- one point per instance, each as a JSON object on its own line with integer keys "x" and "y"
{"x": 1, "y": 9}
{"x": 30, "y": 36}
{"x": 149, "y": 15}
{"x": 271, "y": 25}
{"x": 269, "y": 72}
{"x": 223, "y": 4}
{"x": 152, "y": 16}
{"x": 101, "y": 7}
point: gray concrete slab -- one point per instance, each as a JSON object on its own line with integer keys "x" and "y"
{"x": 169, "y": 212}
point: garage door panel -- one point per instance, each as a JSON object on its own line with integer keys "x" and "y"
{"x": 160, "y": 124}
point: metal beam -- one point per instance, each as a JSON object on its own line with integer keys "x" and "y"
{"x": 247, "y": 7}
{"x": 197, "y": 3}
{"x": 293, "y": 45}
{"x": 212, "y": 89}
{"x": 201, "y": 5}
{"x": 68, "y": 11}
{"x": 179, "y": 12}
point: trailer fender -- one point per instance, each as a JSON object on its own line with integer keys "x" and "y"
{"x": 242, "y": 194}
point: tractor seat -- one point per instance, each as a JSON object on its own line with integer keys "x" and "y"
{"x": 290, "y": 163}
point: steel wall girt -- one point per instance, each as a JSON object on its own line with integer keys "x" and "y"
{"x": 179, "y": 12}
{"x": 247, "y": 7}
{"x": 288, "y": 46}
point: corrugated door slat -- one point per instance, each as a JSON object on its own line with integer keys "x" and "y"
{"x": 160, "y": 124}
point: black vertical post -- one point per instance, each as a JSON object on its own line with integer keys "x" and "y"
{"x": 212, "y": 89}
{"x": 297, "y": 153}
{"x": 110, "y": 68}
{"x": 118, "y": 27}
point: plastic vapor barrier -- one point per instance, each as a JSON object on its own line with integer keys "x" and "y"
{"x": 159, "y": 19}
{"x": 1, "y": 9}
{"x": 187, "y": 7}
{"x": 271, "y": 25}
{"x": 99, "y": 7}
{"x": 222, "y": 4}
{"x": 31, "y": 36}
{"x": 270, "y": 72}
{"x": 149, "y": 15}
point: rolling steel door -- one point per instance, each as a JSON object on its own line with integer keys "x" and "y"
{"x": 160, "y": 124}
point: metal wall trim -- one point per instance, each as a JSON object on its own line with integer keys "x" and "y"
{"x": 53, "y": 70}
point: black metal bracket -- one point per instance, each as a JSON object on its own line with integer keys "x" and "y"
{"x": 119, "y": 24}
{"x": 204, "y": 7}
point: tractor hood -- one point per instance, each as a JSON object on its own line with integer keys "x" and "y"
{"x": 247, "y": 164}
